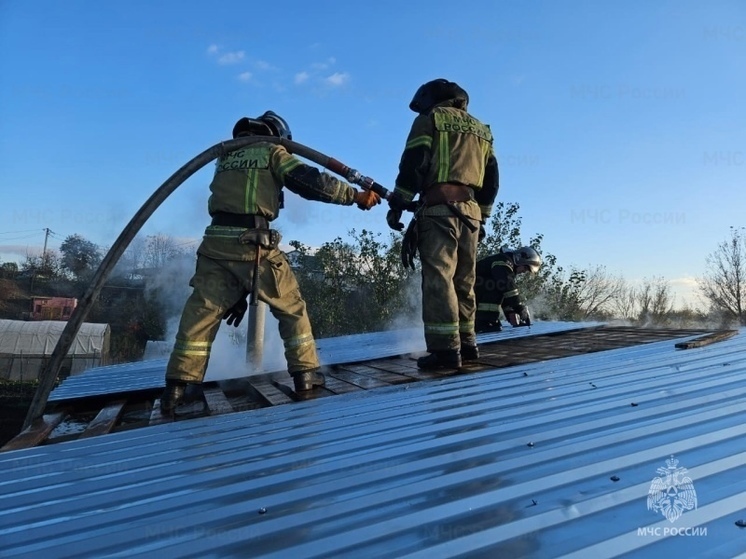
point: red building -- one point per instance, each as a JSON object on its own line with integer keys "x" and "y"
{"x": 53, "y": 308}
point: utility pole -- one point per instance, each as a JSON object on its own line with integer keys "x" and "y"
{"x": 43, "y": 265}
{"x": 44, "y": 250}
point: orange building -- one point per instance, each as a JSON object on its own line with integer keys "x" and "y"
{"x": 53, "y": 308}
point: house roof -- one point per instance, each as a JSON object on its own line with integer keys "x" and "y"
{"x": 559, "y": 458}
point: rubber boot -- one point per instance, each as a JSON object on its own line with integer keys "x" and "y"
{"x": 448, "y": 359}
{"x": 172, "y": 396}
{"x": 308, "y": 380}
{"x": 469, "y": 352}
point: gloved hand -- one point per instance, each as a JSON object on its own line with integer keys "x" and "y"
{"x": 393, "y": 218}
{"x": 234, "y": 315}
{"x": 396, "y": 202}
{"x": 513, "y": 318}
{"x": 366, "y": 199}
{"x": 525, "y": 317}
{"x": 482, "y": 233}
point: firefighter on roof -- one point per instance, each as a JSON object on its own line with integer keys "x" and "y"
{"x": 449, "y": 162}
{"x": 239, "y": 252}
{"x": 496, "y": 289}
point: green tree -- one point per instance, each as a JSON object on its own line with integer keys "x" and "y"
{"x": 9, "y": 270}
{"x": 353, "y": 286}
{"x": 79, "y": 256}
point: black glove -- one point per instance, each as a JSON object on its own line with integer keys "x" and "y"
{"x": 234, "y": 315}
{"x": 525, "y": 317}
{"x": 482, "y": 233}
{"x": 396, "y": 202}
{"x": 393, "y": 218}
{"x": 409, "y": 245}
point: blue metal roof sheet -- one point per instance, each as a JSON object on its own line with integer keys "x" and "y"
{"x": 550, "y": 459}
{"x": 144, "y": 375}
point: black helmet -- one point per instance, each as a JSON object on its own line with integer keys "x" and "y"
{"x": 437, "y": 91}
{"x": 277, "y": 125}
{"x": 250, "y": 127}
{"x": 269, "y": 124}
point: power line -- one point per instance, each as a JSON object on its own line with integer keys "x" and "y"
{"x": 18, "y": 238}
{"x": 22, "y": 231}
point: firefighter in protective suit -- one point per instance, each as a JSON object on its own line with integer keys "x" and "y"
{"x": 496, "y": 289}
{"x": 246, "y": 196}
{"x": 449, "y": 162}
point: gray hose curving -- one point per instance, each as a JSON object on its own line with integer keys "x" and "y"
{"x": 49, "y": 373}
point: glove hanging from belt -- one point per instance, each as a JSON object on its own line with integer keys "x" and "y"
{"x": 233, "y": 315}
{"x": 409, "y": 244}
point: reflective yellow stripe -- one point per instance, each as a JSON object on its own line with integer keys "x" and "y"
{"x": 193, "y": 352}
{"x": 252, "y": 184}
{"x": 187, "y": 344}
{"x": 298, "y": 341}
{"x": 486, "y": 211}
{"x": 502, "y": 263}
{"x": 511, "y": 293}
{"x": 485, "y": 153}
{"x": 406, "y": 195}
{"x": 290, "y": 164}
{"x": 444, "y": 158}
{"x": 491, "y": 307}
{"x": 466, "y": 327}
{"x": 444, "y": 328}
{"x": 223, "y": 231}
{"x": 420, "y": 141}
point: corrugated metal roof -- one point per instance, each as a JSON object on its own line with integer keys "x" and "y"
{"x": 144, "y": 375}
{"x": 550, "y": 459}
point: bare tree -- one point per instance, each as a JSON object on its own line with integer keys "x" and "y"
{"x": 159, "y": 250}
{"x": 724, "y": 283}
{"x": 132, "y": 262}
{"x": 625, "y": 305}
{"x": 599, "y": 291}
{"x": 655, "y": 300}
{"x": 582, "y": 295}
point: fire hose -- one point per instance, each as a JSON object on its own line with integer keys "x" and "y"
{"x": 52, "y": 367}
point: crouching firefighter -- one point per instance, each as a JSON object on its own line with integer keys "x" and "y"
{"x": 496, "y": 288}
{"x": 239, "y": 255}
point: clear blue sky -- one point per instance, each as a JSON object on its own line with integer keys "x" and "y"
{"x": 620, "y": 126}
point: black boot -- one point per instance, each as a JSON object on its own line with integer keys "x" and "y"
{"x": 469, "y": 352}
{"x": 448, "y": 359}
{"x": 172, "y": 396}
{"x": 308, "y": 380}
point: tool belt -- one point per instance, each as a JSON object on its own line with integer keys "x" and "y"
{"x": 240, "y": 220}
{"x": 445, "y": 192}
{"x": 264, "y": 238}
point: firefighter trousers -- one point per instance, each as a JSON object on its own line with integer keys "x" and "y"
{"x": 448, "y": 252}
{"x": 218, "y": 285}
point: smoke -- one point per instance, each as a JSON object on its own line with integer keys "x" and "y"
{"x": 228, "y": 358}
{"x": 410, "y": 315}
{"x": 170, "y": 287}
